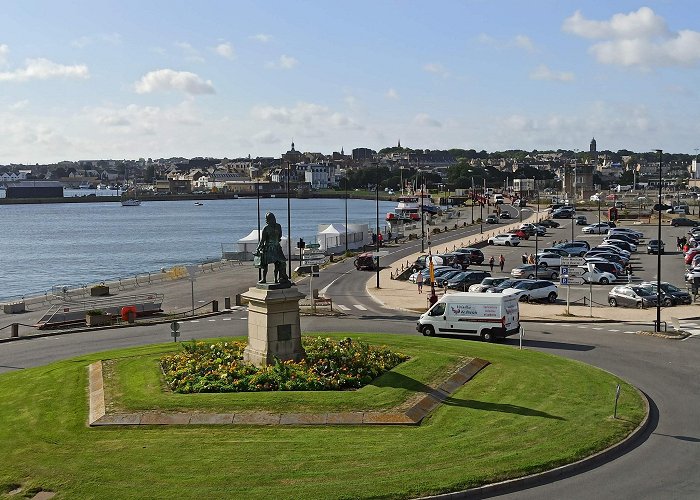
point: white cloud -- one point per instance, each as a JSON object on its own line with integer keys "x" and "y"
{"x": 266, "y": 137}
{"x": 315, "y": 116}
{"x": 640, "y": 24}
{"x": 108, "y": 38}
{"x": 19, "y": 105}
{"x": 4, "y": 50}
{"x": 523, "y": 42}
{"x": 542, "y": 72}
{"x": 225, "y": 50}
{"x": 638, "y": 39}
{"x": 168, "y": 79}
{"x": 284, "y": 62}
{"x": 437, "y": 69}
{"x": 425, "y": 120}
{"x": 189, "y": 52}
{"x": 43, "y": 69}
{"x": 261, "y": 37}
{"x": 392, "y": 94}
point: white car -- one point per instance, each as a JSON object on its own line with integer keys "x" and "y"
{"x": 625, "y": 230}
{"x": 597, "y": 228}
{"x": 504, "y": 239}
{"x": 595, "y": 197}
{"x": 691, "y": 274}
{"x": 612, "y": 241}
{"x": 679, "y": 209}
{"x": 528, "y": 290}
{"x": 615, "y": 249}
{"x": 548, "y": 259}
{"x": 597, "y": 276}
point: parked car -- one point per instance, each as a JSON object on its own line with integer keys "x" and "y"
{"x": 683, "y": 221}
{"x": 443, "y": 277}
{"x": 541, "y": 230}
{"x": 548, "y": 259}
{"x": 655, "y": 246}
{"x": 504, "y": 239}
{"x": 437, "y": 271}
{"x": 631, "y": 296}
{"x": 597, "y": 228}
{"x": 625, "y": 245}
{"x": 485, "y": 284}
{"x": 503, "y": 285}
{"x": 606, "y": 266}
{"x": 562, "y": 213}
{"x": 529, "y": 290}
{"x": 678, "y": 209}
{"x": 615, "y": 249}
{"x": 623, "y": 237}
{"x": 597, "y": 276}
{"x": 691, "y": 274}
{"x": 492, "y": 219}
{"x": 528, "y": 228}
{"x": 626, "y": 231}
{"x": 609, "y": 256}
{"x": 523, "y": 235}
{"x": 465, "y": 279}
{"x": 528, "y": 271}
{"x": 690, "y": 255}
{"x": 549, "y": 223}
{"x": 671, "y": 295}
{"x": 476, "y": 256}
{"x": 456, "y": 260}
{"x": 575, "y": 249}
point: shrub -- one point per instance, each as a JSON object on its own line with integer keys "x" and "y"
{"x": 329, "y": 365}
{"x": 94, "y": 312}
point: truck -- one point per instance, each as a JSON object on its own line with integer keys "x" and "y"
{"x": 490, "y": 316}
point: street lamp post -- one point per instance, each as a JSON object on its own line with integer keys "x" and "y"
{"x": 481, "y": 205}
{"x": 346, "y": 212}
{"x": 422, "y": 222}
{"x": 289, "y": 230}
{"x": 658, "y": 253}
{"x": 376, "y": 190}
{"x": 473, "y": 199}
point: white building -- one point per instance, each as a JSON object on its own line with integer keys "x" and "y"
{"x": 319, "y": 176}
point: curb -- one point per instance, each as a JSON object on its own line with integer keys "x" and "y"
{"x": 596, "y": 460}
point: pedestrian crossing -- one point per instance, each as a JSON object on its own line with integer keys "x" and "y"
{"x": 693, "y": 329}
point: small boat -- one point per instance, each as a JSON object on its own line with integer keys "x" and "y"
{"x": 131, "y": 202}
{"x": 198, "y": 204}
{"x": 85, "y": 185}
{"x": 101, "y": 186}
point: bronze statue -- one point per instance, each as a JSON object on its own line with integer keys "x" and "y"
{"x": 269, "y": 251}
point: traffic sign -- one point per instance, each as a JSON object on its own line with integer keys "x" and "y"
{"x": 382, "y": 253}
{"x": 564, "y": 271}
{"x": 313, "y": 245}
{"x": 565, "y": 280}
{"x": 572, "y": 261}
{"x": 174, "y": 326}
{"x": 575, "y": 272}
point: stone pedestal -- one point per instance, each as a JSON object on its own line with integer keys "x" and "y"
{"x": 274, "y": 330}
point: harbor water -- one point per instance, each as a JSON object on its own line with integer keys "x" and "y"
{"x": 45, "y": 245}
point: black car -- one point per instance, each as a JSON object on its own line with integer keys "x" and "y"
{"x": 549, "y": 223}
{"x": 476, "y": 256}
{"x": 457, "y": 260}
{"x": 631, "y": 296}
{"x": 505, "y": 215}
{"x": 465, "y": 279}
{"x": 508, "y": 283}
{"x": 654, "y": 246}
{"x": 683, "y": 221}
{"x": 671, "y": 295}
{"x": 562, "y": 213}
{"x": 575, "y": 249}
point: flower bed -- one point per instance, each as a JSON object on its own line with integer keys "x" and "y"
{"x": 329, "y": 365}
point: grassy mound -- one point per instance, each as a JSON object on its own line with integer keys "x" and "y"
{"x": 525, "y": 412}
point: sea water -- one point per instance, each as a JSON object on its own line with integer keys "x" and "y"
{"x": 45, "y": 245}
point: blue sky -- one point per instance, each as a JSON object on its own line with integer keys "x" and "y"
{"x": 130, "y": 79}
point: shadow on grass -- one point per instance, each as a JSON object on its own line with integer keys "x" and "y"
{"x": 400, "y": 381}
{"x": 500, "y": 407}
{"x": 548, "y": 344}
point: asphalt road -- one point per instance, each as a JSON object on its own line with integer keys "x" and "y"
{"x": 663, "y": 465}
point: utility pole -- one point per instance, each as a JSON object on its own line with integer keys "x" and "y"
{"x": 658, "y": 253}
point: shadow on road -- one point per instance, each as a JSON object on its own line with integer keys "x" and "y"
{"x": 549, "y": 344}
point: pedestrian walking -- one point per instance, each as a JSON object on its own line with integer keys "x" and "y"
{"x": 531, "y": 259}
{"x": 501, "y": 261}
{"x": 491, "y": 262}
{"x": 419, "y": 282}
{"x": 524, "y": 257}
{"x": 679, "y": 244}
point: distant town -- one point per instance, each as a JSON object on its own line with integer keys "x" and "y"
{"x": 582, "y": 172}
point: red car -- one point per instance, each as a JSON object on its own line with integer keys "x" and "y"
{"x": 691, "y": 253}
{"x": 520, "y": 234}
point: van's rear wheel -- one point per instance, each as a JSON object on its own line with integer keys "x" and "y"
{"x": 428, "y": 331}
{"x": 488, "y": 336}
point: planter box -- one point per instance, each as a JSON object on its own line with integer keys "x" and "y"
{"x": 98, "y": 319}
{"x": 14, "y": 307}
{"x": 99, "y": 291}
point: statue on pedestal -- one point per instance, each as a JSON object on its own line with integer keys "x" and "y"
{"x": 269, "y": 251}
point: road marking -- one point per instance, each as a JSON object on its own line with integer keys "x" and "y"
{"x": 344, "y": 308}
{"x": 360, "y": 307}
{"x": 596, "y": 328}
{"x": 194, "y": 321}
{"x": 243, "y": 317}
{"x": 583, "y": 327}
{"x": 226, "y": 319}
{"x": 613, "y": 330}
{"x": 212, "y": 320}
{"x": 629, "y": 331}
{"x": 551, "y": 324}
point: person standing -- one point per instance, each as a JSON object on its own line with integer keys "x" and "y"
{"x": 524, "y": 257}
{"x": 491, "y": 262}
{"x": 501, "y": 261}
{"x": 419, "y": 282}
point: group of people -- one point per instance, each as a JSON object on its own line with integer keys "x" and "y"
{"x": 528, "y": 259}
{"x": 683, "y": 244}
{"x": 501, "y": 262}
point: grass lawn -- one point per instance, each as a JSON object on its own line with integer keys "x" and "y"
{"x": 525, "y": 412}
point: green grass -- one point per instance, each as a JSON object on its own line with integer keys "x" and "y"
{"x": 526, "y": 412}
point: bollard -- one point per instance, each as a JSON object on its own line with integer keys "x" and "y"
{"x": 227, "y": 302}
{"x": 238, "y": 300}
{"x": 215, "y": 306}
{"x": 14, "y": 330}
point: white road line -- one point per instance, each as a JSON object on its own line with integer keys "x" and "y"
{"x": 194, "y": 321}
{"x": 226, "y": 319}
{"x": 613, "y": 330}
{"x": 629, "y": 331}
{"x": 582, "y": 327}
{"x": 243, "y": 317}
{"x": 360, "y": 307}
{"x": 211, "y": 320}
{"x": 550, "y": 324}
{"x": 344, "y": 308}
{"x": 596, "y": 328}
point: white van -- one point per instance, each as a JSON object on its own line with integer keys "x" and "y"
{"x": 498, "y": 199}
{"x": 489, "y": 315}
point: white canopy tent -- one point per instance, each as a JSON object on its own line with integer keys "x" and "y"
{"x": 249, "y": 243}
{"x": 331, "y": 237}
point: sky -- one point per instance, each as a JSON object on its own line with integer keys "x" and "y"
{"x": 159, "y": 79}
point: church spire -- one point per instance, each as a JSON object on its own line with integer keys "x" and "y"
{"x": 399, "y": 143}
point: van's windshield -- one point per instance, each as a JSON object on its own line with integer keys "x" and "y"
{"x": 438, "y": 310}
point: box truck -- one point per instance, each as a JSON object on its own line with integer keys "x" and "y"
{"x": 488, "y": 315}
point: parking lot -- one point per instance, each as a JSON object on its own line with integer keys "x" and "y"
{"x": 644, "y": 266}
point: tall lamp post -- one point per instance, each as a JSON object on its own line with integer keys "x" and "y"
{"x": 573, "y": 201}
{"x": 473, "y": 199}
{"x": 257, "y": 193}
{"x": 289, "y": 229}
{"x": 346, "y": 212}
{"x": 376, "y": 190}
{"x": 658, "y": 253}
{"x": 481, "y": 208}
{"x": 422, "y": 222}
